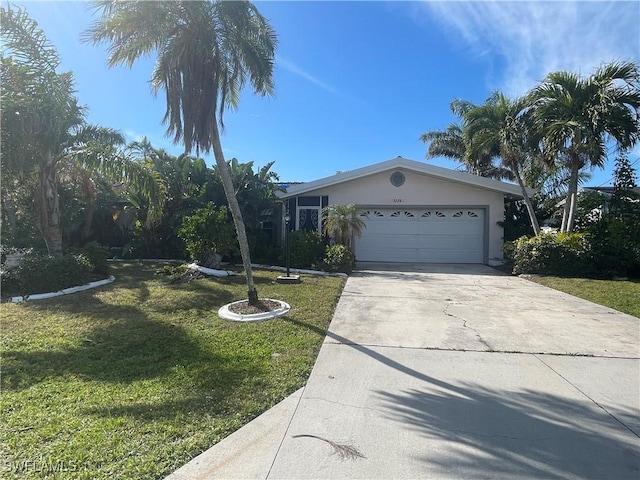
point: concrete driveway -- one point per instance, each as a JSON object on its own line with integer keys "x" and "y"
{"x": 474, "y": 307}
{"x": 440, "y": 371}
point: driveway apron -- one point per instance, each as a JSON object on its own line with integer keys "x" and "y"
{"x": 452, "y": 371}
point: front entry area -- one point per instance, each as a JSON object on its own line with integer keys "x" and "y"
{"x": 422, "y": 235}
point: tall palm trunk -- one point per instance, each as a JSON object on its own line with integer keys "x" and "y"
{"x": 527, "y": 201}
{"x": 565, "y": 212}
{"x": 90, "y": 196}
{"x": 48, "y": 205}
{"x": 572, "y": 198}
{"x": 236, "y": 213}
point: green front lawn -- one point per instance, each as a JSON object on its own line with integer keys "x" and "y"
{"x": 619, "y": 295}
{"x": 134, "y": 379}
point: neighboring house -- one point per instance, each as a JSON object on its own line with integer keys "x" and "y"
{"x": 606, "y": 193}
{"x": 414, "y": 212}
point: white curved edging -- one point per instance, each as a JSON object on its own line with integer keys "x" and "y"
{"x": 59, "y": 293}
{"x": 227, "y": 314}
{"x": 300, "y": 270}
{"x": 210, "y": 271}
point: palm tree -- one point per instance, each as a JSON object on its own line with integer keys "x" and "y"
{"x": 575, "y": 117}
{"x": 500, "y": 125}
{"x": 39, "y": 109}
{"x": 451, "y": 143}
{"x": 342, "y": 223}
{"x": 207, "y": 51}
{"x": 43, "y": 126}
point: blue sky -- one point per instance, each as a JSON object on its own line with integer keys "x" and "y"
{"x": 358, "y": 82}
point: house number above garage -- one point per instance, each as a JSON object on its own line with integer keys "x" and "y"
{"x": 397, "y": 179}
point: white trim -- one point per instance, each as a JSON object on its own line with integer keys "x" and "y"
{"x": 411, "y": 165}
{"x": 66, "y": 291}
{"x": 210, "y": 271}
{"x": 226, "y": 313}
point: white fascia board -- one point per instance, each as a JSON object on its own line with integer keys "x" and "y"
{"x": 412, "y": 165}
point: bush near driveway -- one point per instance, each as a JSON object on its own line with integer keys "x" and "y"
{"x": 615, "y": 247}
{"x": 551, "y": 254}
{"x": 135, "y": 379}
{"x": 339, "y": 258}
{"x": 602, "y": 252}
{"x": 307, "y": 248}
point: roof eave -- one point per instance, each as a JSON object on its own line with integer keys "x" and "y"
{"x": 412, "y": 165}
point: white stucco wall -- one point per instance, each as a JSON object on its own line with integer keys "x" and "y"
{"x": 420, "y": 190}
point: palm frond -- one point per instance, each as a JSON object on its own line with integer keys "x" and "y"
{"x": 207, "y": 51}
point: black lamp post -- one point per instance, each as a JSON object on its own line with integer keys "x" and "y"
{"x": 287, "y": 219}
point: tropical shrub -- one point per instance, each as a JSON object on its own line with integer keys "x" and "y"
{"x": 307, "y": 248}
{"x": 9, "y": 280}
{"x": 509, "y": 250}
{"x": 42, "y": 274}
{"x": 207, "y": 232}
{"x": 552, "y": 254}
{"x": 97, "y": 256}
{"x": 615, "y": 247}
{"x": 614, "y": 235}
{"x": 339, "y": 258}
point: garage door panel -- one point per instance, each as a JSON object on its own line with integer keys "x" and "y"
{"x": 390, "y": 241}
{"x": 456, "y": 228}
{"x": 435, "y": 235}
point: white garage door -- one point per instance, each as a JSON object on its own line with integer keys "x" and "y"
{"x": 429, "y": 235}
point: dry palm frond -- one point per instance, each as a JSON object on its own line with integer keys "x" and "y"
{"x": 343, "y": 450}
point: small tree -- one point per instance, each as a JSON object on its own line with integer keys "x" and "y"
{"x": 342, "y": 223}
{"x": 615, "y": 238}
{"x": 624, "y": 175}
{"x": 208, "y": 234}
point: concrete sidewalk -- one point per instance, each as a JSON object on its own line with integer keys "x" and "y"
{"x": 454, "y": 372}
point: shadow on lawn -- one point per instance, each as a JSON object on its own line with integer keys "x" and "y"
{"x": 129, "y": 347}
{"x": 136, "y": 348}
{"x": 140, "y": 337}
{"x": 122, "y": 344}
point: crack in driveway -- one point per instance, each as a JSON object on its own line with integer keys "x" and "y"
{"x": 467, "y": 326}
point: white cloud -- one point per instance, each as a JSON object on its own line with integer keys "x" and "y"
{"x": 296, "y": 70}
{"x": 531, "y": 39}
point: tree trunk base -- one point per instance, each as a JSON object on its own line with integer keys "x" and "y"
{"x": 252, "y": 295}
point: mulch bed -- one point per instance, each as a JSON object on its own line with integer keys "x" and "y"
{"x": 243, "y": 307}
